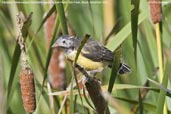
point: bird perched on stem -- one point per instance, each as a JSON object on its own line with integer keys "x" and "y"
{"x": 94, "y": 57}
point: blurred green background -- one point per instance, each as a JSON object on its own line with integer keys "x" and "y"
{"x": 96, "y": 18}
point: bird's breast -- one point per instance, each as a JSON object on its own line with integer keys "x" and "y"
{"x": 84, "y": 62}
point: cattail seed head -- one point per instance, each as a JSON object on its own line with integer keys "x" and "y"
{"x": 155, "y": 10}
{"x": 28, "y": 89}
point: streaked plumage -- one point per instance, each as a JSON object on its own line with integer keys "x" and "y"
{"x": 93, "y": 57}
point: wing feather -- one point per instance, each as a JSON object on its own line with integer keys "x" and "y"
{"x": 97, "y": 52}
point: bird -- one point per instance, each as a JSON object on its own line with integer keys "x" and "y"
{"x": 93, "y": 58}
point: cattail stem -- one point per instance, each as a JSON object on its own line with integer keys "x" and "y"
{"x": 159, "y": 48}
{"x": 156, "y": 15}
{"x": 51, "y": 100}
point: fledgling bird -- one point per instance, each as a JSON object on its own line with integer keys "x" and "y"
{"x": 94, "y": 57}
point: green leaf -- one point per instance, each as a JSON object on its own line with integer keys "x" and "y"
{"x": 61, "y": 13}
{"x": 84, "y": 40}
{"x": 16, "y": 55}
{"x": 114, "y": 72}
{"x": 147, "y": 106}
{"x": 91, "y": 13}
{"x": 134, "y": 25}
{"x": 162, "y": 95}
{"x": 124, "y": 33}
{"x": 113, "y": 31}
{"x": 35, "y": 50}
{"x": 128, "y": 86}
{"x": 15, "y": 61}
{"x": 71, "y": 93}
{"x": 52, "y": 10}
{"x": 141, "y": 107}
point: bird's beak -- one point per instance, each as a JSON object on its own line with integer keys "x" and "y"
{"x": 54, "y": 45}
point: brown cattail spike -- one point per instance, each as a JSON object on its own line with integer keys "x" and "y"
{"x": 28, "y": 89}
{"x": 57, "y": 76}
{"x": 155, "y": 10}
{"x": 26, "y": 74}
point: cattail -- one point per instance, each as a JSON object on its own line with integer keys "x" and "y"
{"x": 57, "y": 76}
{"x": 28, "y": 89}
{"x": 155, "y": 10}
{"x": 26, "y": 74}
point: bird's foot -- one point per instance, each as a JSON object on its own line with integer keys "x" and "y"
{"x": 89, "y": 80}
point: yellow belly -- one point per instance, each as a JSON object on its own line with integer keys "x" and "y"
{"x": 86, "y": 63}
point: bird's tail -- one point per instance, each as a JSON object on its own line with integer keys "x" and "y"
{"x": 123, "y": 68}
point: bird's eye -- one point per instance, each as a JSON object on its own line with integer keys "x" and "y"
{"x": 63, "y": 41}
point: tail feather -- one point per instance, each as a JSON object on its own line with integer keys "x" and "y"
{"x": 123, "y": 68}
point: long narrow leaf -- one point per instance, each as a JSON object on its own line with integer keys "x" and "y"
{"x": 141, "y": 107}
{"x": 91, "y": 13}
{"x": 15, "y": 61}
{"x": 124, "y": 33}
{"x": 84, "y": 40}
{"x": 134, "y": 25}
{"x": 62, "y": 19}
{"x": 16, "y": 54}
{"x": 162, "y": 95}
{"x": 34, "y": 45}
{"x": 147, "y": 106}
{"x": 114, "y": 72}
{"x": 52, "y": 10}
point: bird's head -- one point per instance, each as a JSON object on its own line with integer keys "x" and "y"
{"x": 64, "y": 42}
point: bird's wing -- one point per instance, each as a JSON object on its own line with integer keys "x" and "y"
{"x": 96, "y": 51}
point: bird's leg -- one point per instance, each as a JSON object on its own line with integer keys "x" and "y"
{"x": 85, "y": 79}
{"x": 82, "y": 71}
{"x": 86, "y": 76}
{"x": 94, "y": 72}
